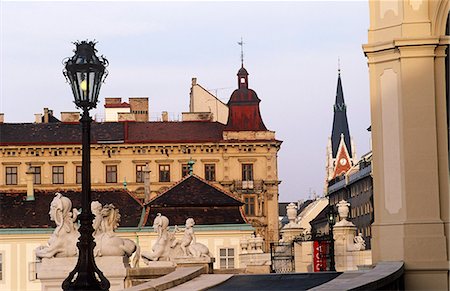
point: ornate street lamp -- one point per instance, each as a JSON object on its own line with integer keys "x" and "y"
{"x": 331, "y": 222}
{"x": 85, "y": 72}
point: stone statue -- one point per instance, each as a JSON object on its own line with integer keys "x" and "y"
{"x": 160, "y": 248}
{"x": 360, "y": 244}
{"x": 105, "y": 223}
{"x": 63, "y": 241}
{"x": 188, "y": 244}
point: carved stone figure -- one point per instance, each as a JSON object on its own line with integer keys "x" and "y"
{"x": 360, "y": 244}
{"x": 159, "y": 249}
{"x": 63, "y": 241}
{"x": 106, "y": 221}
{"x": 188, "y": 244}
{"x": 188, "y": 237}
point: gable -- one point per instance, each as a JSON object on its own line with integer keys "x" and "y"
{"x": 194, "y": 191}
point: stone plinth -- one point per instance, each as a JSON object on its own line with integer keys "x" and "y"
{"x": 289, "y": 233}
{"x": 303, "y": 253}
{"x": 52, "y": 272}
{"x": 255, "y": 263}
{"x": 346, "y": 257}
{"x": 205, "y": 262}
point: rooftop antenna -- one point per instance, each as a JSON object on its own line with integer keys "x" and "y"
{"x": 241, "y": 43}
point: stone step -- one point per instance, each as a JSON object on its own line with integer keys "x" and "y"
{"x": 175, "y": 278}
{"x": 203, "y": 282}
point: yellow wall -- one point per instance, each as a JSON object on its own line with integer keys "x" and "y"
{"x": 18, "y": 248}
{"x": 405, "y": 53}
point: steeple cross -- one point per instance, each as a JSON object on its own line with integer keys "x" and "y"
{"x": 241, "y": 43}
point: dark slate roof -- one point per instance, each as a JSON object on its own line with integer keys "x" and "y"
{"x": 196, "y": 198}
{"x": 340, "y": 123}
{"x": 200, "y": 193}
{"x": 16, "y": 212}
{"x": 186, "y": 131}
{"x": 201, "y": 215}
{"x": 57, "y": 133}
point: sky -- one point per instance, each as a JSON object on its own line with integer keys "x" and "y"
{"x": 291, "y": 51}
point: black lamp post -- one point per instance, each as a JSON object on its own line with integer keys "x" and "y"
{"x": 331, "y": 222}
{"x": 85, "y": 72}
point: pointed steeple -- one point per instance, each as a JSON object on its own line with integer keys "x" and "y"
{"x": 340, "y": 123}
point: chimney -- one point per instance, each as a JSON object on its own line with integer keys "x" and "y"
{"x": 147, "y": 190}
{"x": 30, "y": 185}
{"x": 46, "y": 115}
{"x": 165, "y": 116}
{"x": 113, "y": 100}
{"x": 2, "y": 117}
{"x": 70, "y": 116}
{"x": 194, "y": 81}
{"x": 38, "y": 118}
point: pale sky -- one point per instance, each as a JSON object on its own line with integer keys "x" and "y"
{"x": 291, "y": 52}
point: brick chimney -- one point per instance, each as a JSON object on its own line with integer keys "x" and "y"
{"x": 30, "y": 184}
{"x": 46, "y": 115}
{"x": 70, "y": 116}
{"x": 165, "y": 116}
{"x": 38, "y": 118}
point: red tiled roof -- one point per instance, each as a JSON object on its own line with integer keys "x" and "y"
{"x": 118, "y": 105}
{"x": 162, "y": 132}
{"x": 127, "y": 132}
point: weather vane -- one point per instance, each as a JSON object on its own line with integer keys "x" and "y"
{"x": 241, "y": 43}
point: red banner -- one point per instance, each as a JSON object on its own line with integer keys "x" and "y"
{"x": 320, "y": 254}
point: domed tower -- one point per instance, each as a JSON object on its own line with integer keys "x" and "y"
{"x": 244, "y": 114}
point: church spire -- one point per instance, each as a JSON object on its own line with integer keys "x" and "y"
{"x": 340, "y": 123}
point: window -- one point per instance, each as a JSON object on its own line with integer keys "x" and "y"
{"x": 164, "y": 173}
{"x": 210, "y": 172}
{"x": 111, "y": 174}
{"x": 184, "y": 170}
{"x": 11, "y": 175}
{"x": 247, "y": 172}
{"x": 140, "y": 173}
{"x": 249, "y": 206}
{"x": 226, "y": 258}
{"x": 79, "y": 176}
{"x": 36, "y": 174}
{"x": 58, "y": 174}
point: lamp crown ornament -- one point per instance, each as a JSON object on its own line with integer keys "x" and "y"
{"x": 85, "y": 72}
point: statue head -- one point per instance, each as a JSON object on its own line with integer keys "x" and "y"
{"x": 190, "y": 222}
{"x": 161, "y": 222}
{"x": 96, "y": 207}
{"x": 59, "y": 208}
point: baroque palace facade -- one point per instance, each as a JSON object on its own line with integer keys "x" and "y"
{"x": 238, "y": 156}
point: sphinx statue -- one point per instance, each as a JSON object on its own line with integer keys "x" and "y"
{"x": 160, "y": 250}
{"x": 63, "y": 241}
{"x": 106, "y": 220}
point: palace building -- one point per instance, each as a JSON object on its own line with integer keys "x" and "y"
{"x": 238, "y": 156}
